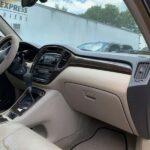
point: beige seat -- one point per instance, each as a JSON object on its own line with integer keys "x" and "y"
{"x": 19, "y": 137}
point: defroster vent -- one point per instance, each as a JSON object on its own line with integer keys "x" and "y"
{"x": 142, "y": 71}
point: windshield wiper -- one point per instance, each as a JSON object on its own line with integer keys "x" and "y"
{"x": 140, "y": 52}
{"x": 134, "y": 52}
{"x": 84, "y": 49}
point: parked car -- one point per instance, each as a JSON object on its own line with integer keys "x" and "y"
{"x": 105, "y": 47}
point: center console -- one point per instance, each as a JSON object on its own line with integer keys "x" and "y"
{"x": 24, "y": 103}
{"x": 46, "y": 67}
{"x": 49, "y": 62}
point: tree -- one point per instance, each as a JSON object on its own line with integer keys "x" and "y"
{"x": 105, "y": 15}
{"x": 126, "y": 20}
{"x": 110, "y": 15}
{"x": 93, "y": 13}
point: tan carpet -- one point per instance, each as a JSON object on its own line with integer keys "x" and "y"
{"x": 104, "y": 140}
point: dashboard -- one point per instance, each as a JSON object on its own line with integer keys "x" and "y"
{"x": 50, "y": 61}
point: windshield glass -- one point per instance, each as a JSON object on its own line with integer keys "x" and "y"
{"x": 76, "y": 23}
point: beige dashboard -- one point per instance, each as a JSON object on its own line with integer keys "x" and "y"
{"x": 97, "y": 93}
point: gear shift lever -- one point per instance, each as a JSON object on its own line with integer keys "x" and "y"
{"x": 28, "y": 81}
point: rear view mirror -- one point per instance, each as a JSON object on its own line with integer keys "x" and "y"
{"x": 29, "y": 3}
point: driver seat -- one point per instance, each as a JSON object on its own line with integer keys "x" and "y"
{"x": 18, "y": 137}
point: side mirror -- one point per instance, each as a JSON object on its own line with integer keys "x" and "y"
{"x": 28, "y": 3}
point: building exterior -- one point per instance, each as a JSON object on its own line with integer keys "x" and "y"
{"x": 44, "y": 25}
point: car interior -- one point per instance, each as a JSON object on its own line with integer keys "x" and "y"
{"x": 55, "y": 98}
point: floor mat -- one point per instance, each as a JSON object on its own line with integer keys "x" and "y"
{"x": 87, "y": 130}
{"x": 104, "y": 139}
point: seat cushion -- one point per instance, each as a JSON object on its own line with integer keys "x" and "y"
{"x": 19, "y": 137}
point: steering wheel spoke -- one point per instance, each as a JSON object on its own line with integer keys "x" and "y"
{"x": 8, "y": 50}
{"x": 3, "y": 53}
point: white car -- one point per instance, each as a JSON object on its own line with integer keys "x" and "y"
{"x": 105, "y": 47}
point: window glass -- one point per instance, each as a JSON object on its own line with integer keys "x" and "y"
{"x": 89, "y": 25}
{"x": 114, "y": 48}
{"x": 1, "y": 34}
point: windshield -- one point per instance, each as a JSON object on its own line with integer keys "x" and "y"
{"x": 77, "y": 23}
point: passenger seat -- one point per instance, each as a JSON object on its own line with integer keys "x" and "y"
{"x": 19, "y": 137}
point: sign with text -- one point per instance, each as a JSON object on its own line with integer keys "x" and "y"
{"x": 12, "y": 7}
{"x": 11, "y": 10}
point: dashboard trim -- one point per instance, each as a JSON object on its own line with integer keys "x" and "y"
{"x": 101, "y": 64}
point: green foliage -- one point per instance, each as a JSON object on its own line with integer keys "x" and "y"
{"x": 91, "y": 13}
{"x": 110, "y": 15}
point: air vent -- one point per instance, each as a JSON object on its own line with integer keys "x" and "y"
{"x": 64, "y": 59}
{"x": 142, "y": 71}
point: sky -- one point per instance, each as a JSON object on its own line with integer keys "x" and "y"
{"x": 80, "y": 6}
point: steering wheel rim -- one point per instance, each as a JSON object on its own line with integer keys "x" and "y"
{"x": 8, "y": 54}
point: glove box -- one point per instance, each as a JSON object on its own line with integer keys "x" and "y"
{"x": 99, "y": 104}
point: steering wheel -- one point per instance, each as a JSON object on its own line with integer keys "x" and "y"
{"x": 8, "y": 49}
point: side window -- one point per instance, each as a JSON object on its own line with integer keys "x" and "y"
{"x": 114, "y": 48}
{"x": 126, "y": 48}
{"x": 1, "y": 35}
